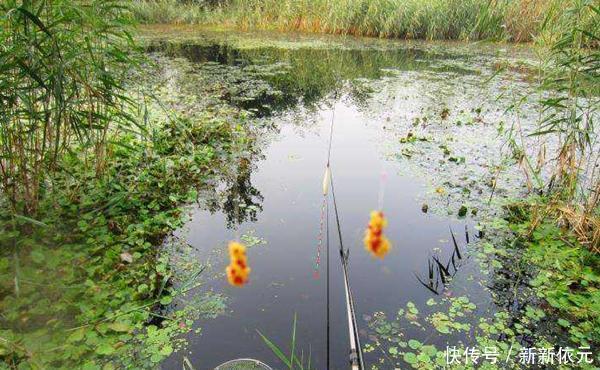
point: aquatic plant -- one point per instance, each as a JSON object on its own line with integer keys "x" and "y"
{"x": 564, "y": 164}
{"x": 438, "y": 272}
{"x": 86, "y": 275}
{"x": 375, "y": 242}
{"x": 62, "y": 73}
{"x": 293, "y": 361}
{"x": 520, "y": 20}
{"x": 566, "y": 275}
{"x": 69, "y": 268}
{"x": 238, "y": 270}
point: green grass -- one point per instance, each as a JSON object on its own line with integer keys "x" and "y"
{"x": 169, "y": 11}
{"x": 81, "y": 276}
{"x": 519, "y": 20}
{"x": 293, "y": 361}
{"x": 65, "y": 92}
{"x": 67, "y": 284}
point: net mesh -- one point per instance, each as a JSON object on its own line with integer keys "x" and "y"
{"x": 243, "y": 364}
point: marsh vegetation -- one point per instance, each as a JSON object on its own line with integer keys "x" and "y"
{"x": 131, "y": 155}
{"x": 517, "y": 21}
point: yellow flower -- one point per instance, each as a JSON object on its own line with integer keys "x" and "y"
{"x": 238, "y": 270}
{"x": 374, "y": 240}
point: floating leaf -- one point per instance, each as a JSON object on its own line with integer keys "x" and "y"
{"x": 105, "y": 349}
{"x": 120, "y": 327}
{"x": 410, "y": 358}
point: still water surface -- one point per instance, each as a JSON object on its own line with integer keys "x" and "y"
{"x": 374, "y": 105}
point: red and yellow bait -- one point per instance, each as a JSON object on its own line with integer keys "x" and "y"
{"x": 238, "y": 270}
{"x": 374, "y": 240}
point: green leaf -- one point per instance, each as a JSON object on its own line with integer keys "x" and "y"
{"x": 414, "y": 344}
{"x": 76, "y": 336}
{"x": 423, "y": 357}
{"x": 429, "y": 350}
{"x": 443, "y": 329}
{"x": 166, "y": 300}
{"x": 142, "y": 288}
{"x": 166, "y": 350}
{"x": 120, "y": 327}
{"x": 412, "y": 308}
{"x": 275, "y": 350}
{"x": 34, "y": 19}
{"x": 564, "y": 323}
{"x": 156, "y": 358}
{"x": 293, "y": 341}
{"x": 105, "y": 349}
{"x": 91, "y": 365}
{"x": 410, "y": 358}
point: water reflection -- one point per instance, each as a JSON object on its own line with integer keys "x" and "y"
{"x": 442, "y": 273}
{"x": 305, "y": 75}
{"x": 276, "y": 194}
{"x": 243, "y": 201}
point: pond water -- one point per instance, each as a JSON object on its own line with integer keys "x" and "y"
{"x": 413, "y": 123}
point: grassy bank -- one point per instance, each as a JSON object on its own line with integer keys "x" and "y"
{"x": 522, "y": 20}
{"x": 83, "y": 284}
{"x": 96, "y": 168}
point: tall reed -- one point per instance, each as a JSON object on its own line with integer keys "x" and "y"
{"x": 565, "y": 164}
{"x": 62, "y": 69}
{"x": 172, "y": 11}
{"x": 513, "y": 20}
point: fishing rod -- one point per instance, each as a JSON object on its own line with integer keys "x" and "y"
{"x": 356, "y": 356}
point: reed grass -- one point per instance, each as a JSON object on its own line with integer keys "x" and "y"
{"x": 293, "y": 361}
{"x": 62, "y": 69}
{"x": 518, "y": 20}
{"x": 568, "y": 118}
{"x": 170, "y": 11}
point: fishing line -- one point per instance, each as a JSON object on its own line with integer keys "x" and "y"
{"x": 325, "y": 188}
{"x": 236, "y": 207}
{"x": 382, "y": 181}
{"x": 326, "y": 179}
{"x": 320, "y": 239}
{"x": 331, "y": 127}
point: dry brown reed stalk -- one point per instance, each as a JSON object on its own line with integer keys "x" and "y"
{"x": 524, "y": 17}
{"x": 584, "y": 225}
